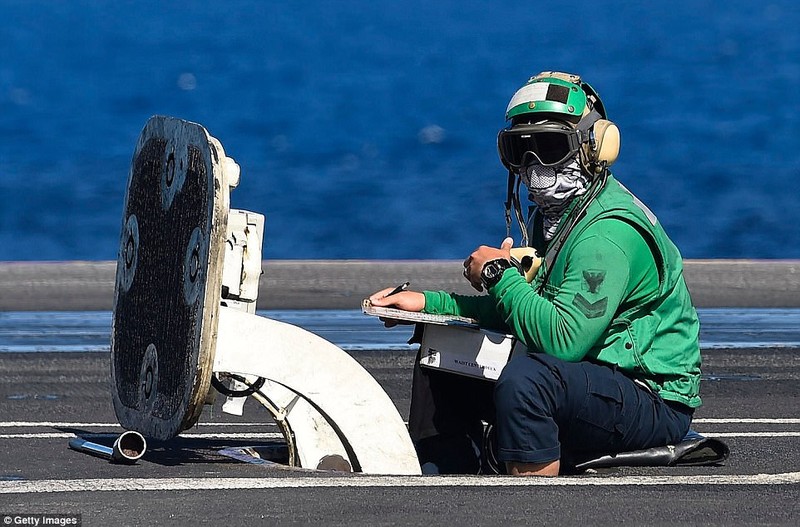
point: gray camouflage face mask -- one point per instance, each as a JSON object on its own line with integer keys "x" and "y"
{"x": 553, "y": 189}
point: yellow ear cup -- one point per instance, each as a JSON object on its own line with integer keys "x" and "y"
{"x": 607, "y": 141}
{"x": 526, "y": 260}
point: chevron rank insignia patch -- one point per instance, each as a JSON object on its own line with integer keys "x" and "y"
{"x": 590, "y": 309}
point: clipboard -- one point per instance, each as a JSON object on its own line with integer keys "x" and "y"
{"x": 415, "y": 317}
{"x": 456, "y": 344}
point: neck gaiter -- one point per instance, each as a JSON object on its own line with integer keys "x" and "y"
{"x": 553, "y": 189}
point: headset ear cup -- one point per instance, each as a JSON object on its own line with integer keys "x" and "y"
{"x": 607, "y": 141}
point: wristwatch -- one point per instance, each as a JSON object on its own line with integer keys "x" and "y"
{"x": 493, "y": 270}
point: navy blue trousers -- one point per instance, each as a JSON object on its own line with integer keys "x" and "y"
{"x": 543, "y": 409}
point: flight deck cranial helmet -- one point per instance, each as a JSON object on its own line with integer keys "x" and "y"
{"x": 553, "y": 118}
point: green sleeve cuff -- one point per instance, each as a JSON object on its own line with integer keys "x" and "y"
{"x": 434, "y": 302}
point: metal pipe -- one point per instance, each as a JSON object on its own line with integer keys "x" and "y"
{"x": 128, "y": 448}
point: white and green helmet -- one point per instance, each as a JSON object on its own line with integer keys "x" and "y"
{"x": 554, "y": 95}
{"x": 552, "y": 118}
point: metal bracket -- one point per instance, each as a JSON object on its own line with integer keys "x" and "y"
{"x": 332, "y": 405}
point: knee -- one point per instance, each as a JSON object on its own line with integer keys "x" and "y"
{"x": 524, "y": 381}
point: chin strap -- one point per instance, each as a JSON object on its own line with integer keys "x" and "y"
{"x": 512, "y": 202}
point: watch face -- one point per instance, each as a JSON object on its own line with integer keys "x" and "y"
{"x": 492, "y": 271}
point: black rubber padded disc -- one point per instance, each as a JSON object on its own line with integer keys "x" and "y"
{"x": 168, "y": 281}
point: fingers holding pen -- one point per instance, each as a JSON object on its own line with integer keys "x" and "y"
{"x": 402, "y": 299}
{"x": 406, "y": 300}
{"x": 377, "y": 297}
{"x": 389, "y": 291}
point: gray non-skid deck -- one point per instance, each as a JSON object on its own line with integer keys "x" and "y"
{"x": 751, "y": 400}
{"x": 751, "y": 396}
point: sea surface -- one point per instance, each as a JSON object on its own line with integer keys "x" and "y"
{"x": 368, "y": 129}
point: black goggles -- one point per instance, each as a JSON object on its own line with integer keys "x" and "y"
{"x": 548, "y": 144}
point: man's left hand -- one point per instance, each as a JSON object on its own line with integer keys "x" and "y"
{"x": 473, "y": 265}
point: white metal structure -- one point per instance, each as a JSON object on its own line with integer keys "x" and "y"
{"x": 332, "y": 412}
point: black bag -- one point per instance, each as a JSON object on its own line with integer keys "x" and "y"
{"x": 693, "y": 450}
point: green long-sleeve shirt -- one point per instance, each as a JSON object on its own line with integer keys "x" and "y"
{"x": 615, "y": 294}
{"x": 612, "y": 265}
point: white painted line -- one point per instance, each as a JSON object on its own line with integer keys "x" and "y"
{"x": 751, "y": 434}
{"x": 726, "y": 420}
{"x": 10, "y": 424}
{"x": 65, "y": 435}
{"x": 167, "y": 484}
{"x": 278, "y": 435}
{"x": 781, "y": 421}
{"x": 52, "y": 435}
{"x": 242, "y": 435}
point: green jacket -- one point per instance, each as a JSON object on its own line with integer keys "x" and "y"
{"x": 615, "y": 295}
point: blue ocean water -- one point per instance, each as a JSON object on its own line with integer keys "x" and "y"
{"x": 367, "y": 129}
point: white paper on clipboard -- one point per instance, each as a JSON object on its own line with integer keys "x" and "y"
{"x": 413, "y": 316}
{"x": 468, "y": 351}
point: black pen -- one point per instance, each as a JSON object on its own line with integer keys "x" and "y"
{"x": 401, "y": 287}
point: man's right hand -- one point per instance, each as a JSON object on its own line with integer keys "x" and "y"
{"x": 405, "y": 300}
